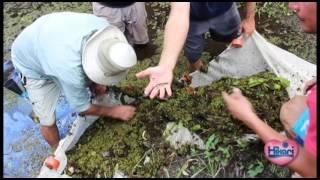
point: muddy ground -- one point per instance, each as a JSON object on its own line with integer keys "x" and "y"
{"x": 283, "y": 32}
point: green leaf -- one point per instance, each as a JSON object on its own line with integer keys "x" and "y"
{"x": 284, "y": 81}
{"x": 196, "y": 127}
{"x": 255, "y": 169}
{"x": 255, "y": 82}
{"x": 276, "y": 86}
{"x": 212, "y": 141}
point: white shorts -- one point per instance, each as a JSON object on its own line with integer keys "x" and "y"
{"x": 44, "y": 96}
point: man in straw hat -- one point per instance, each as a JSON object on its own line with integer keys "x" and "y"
{"x": 71, "y": 52}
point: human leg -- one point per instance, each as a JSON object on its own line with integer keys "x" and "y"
{"x": 291, "y": 111}
{"x": 226, "y": 27}
{"x": 136, "y": 20}
{"x": 51, "y": 135}
{"x": 195, "y": 44}
{"x": 44, "y": 95}
{"x": 113, "y": 15}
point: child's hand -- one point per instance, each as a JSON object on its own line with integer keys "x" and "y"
{"x": 238, "y": 105}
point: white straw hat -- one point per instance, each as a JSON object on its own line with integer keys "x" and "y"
{"x": 107, "y": 56}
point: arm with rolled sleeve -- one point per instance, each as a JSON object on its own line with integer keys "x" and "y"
{"x": 79, "y": 99}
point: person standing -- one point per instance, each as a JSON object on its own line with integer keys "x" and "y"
{"x": 129, "y": 17}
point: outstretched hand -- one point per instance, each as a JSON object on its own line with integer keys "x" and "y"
{"x": 160, "y": 81}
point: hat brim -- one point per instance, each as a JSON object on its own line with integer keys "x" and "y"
{"x": 90, "y": 56}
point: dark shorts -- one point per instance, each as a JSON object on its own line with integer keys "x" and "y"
{"x": 224, "y": 27}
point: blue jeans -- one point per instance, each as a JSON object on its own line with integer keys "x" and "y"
{"x": 224, "y": 27}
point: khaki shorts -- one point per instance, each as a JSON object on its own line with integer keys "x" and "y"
{"x": 44, "y": 96}
{"x": 131, "y": 20}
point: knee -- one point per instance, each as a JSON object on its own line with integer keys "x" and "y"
{"x": 47, "y": 124}
{"x": 287, "y": 119}
{"x": 291, "y": 111}
{"x": 285, "y": 113}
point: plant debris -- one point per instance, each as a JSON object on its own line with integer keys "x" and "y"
{"x": 202, "y": 110}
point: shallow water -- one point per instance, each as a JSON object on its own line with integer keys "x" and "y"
{"x": 24, "y": 147}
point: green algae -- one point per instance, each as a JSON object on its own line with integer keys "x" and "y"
{"x": 202, "y": 110}
{"x": 270, "y": 88}
{"x": 112, "y": 142}
{"x": 189, "y": 106}
{"x": 126, "y": 144}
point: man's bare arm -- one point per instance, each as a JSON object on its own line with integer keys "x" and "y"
{"x": 175, "y": 34}
{"x": 122, "y": 112}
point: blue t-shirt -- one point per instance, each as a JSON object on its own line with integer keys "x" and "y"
{"x": 51, "y": 48}
{"x": 206, "y": 10}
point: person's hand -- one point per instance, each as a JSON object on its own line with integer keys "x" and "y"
{"x": 238, "y": 105}
{"x": 309, "y": 85}
{"x": 160, "y": 81}
{"x": 248, "y": 26}
{"x": 122, "y": 112}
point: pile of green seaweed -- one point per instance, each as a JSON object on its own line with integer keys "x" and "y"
{"x": 137, "y": 147}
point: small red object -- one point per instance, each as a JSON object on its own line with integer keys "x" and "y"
{"x": 52, "y": 163}
{"x": 189, "y": 90}
{"x": 187, "y": 78}
{"x": 238, "y": 43}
